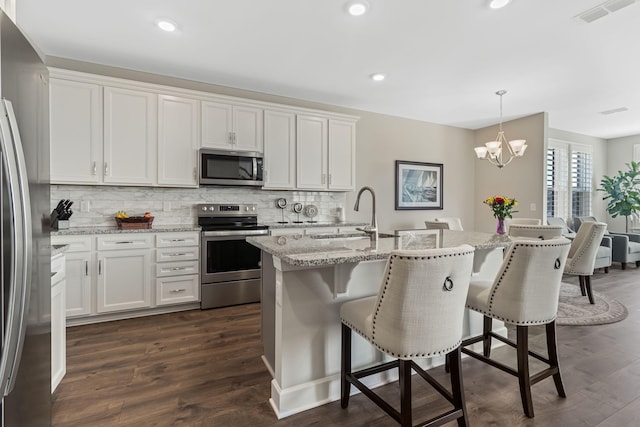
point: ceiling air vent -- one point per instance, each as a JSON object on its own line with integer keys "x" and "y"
{"x": 602, "y": 10}
{"x": 592, "y": 14}
{"x": 613, "y": 111}
{"x": 614, "y": 5}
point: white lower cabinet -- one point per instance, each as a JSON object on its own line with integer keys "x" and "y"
{"x": 177, "y": 268}
{"x": 58, "y": 321}
{"x": 124, "y": 280}
{"x": 110, "y": 274}
{"x": 79, "y": 266}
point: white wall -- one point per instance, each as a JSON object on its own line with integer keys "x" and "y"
{"x": 523, "y": 179}
{"x": 384, "y": 139}
{"x": 619, "y": 153}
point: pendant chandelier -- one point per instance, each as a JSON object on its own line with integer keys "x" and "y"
{"x": 493, "y": 150}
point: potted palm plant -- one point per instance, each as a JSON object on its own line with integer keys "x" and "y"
{"x": 623, "y": 192}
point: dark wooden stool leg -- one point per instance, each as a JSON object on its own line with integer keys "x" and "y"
{"x": 552, "y": 351}
{"x": 457, "y": 388}
{"x": 345, "y": 386}
{"x": 623, "y": 265}
{"x": 487, "y": 325}
{"x": 447, "y": 363}
{"x": 606, "y": 270}
{"x": 404, "y": 372}
{"x": 587, "y": 284}
{"x": 583, "y": 291}
{"x": 523, "y": 370}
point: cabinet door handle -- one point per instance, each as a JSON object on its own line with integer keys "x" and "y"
{"x": 123, "y": 243}
{"x": 86, "y": 268}
{"x": 177, "y": 254}
{"x": 178, "y": 268}
{"x": 324, "y": 178}
{"x": 177, "y": 240}
{"x": 106, "y": 169}
{"x": 99, "y": 266}
{"x": 95, "y": 168}
{"x": 177, "y": 291}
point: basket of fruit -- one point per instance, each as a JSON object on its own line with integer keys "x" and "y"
{"x": 127, "y": 222}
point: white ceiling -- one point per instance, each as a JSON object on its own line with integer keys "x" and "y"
{"x": 444, "y": 59}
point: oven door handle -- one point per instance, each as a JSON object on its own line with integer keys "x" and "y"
{"x": 234, "y": 233}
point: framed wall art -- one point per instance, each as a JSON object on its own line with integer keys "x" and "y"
{"x": 418, "y": 185}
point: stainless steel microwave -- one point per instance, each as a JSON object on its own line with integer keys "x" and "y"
{"x": 231, "y": 168}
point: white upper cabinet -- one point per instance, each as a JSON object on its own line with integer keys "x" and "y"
{"x": 311, "y": 145}
{"x": 279, "y": 150}
{"x": 342, "y": 152}
{"x": 178, "y": 136}
{"x": 231, "y": 127}
{"x": 109, "y": 131}
{"x": 76, "y": 132}
{"x": 130, "y": 136}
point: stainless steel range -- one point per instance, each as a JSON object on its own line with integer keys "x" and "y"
{"x": 230, "y": 268}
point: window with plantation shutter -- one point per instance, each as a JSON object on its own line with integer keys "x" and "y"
{"x": 558, "y": 181}
{"x": 581, "y": 178}
{"x": 569, "y": 180}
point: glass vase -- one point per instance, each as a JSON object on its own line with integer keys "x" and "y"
{"x": 501, "y": 228}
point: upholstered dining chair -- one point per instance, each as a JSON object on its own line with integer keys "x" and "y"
{"x": 436, "y": 225}
{"x": 625, "y": 247}
{"x": 541, "y": 232}
{"x": 566, "y": 231}
{"x": 453, "y": 221}
{"x": 582, "y": 256}
{"x": 525, "y": 292}
{"x": 524, "y": 221}
{"x": 418, "y": 313}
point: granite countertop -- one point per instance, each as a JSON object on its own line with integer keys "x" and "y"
{"x": 314, "y": 224}
{"x": 114, "y": 230}
{"x": 309, "y": 251}
{"x": 58, "y": 249}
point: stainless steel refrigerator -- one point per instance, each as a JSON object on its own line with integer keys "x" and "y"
{"x": 25, "y": 358}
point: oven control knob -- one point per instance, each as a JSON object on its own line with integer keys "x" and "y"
{"x": 204, "y": 208}
{"x": 246, "y": 208}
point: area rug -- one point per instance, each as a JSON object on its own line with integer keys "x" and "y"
{"x": 574, "y": 309}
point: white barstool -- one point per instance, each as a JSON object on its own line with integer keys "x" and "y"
{"x": 418, "y": 313}
{"x": 525, "y": 292}
{"x": 583, "y": 254}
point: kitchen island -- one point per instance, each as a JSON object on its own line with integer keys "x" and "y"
{"x": 305, "y": 281}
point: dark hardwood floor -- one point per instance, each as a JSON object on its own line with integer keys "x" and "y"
{"x": 203, "y": 368}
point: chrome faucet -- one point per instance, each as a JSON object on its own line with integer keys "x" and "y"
{"x": 371, "y": 230}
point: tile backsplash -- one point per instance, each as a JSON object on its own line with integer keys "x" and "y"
{"x": 97, "y": 205}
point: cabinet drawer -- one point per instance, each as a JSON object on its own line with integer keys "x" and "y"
{"x": 178, "y": 254}
{"x": 125, "y": 241}
{"x": 75, "y": 243}
{"x": 179, "y": 268}
{"x": 175, "y": 290}
{"x": 165, "y": 240}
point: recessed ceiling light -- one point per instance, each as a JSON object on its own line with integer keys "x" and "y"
{"x": 497, "y": 4}
{"x": 166, "y": 25}
{"x": 357, "y": 8}
{"x": 377, "y": 77}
